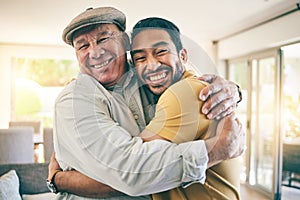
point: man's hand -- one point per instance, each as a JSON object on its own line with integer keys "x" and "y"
{"x": 229, "y": 141}
{"x": 53, "y": 167}
{"x": 220, "y": 96}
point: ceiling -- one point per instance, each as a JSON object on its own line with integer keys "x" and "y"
{"x": 42, "y": 22}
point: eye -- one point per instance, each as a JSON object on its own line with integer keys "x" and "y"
{"x": 103, "y": 40}
{"x": 139, "y": 58}
{"x": 161, "y": 51}
{"x": 82, "y": 46}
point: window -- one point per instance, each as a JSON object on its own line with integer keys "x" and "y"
{"x": 36, "y": 83}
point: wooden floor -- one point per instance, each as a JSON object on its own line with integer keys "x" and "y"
{"x": 288, "y": 193}
{"x": 247, "y": 193}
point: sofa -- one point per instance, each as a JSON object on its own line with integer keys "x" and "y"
{"x": 24, "y": 181}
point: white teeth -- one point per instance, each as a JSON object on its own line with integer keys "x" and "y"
{"x": 101, "y": 65}
{"x": 157, "y": 77}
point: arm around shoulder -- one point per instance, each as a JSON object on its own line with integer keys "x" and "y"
{"x": 85, "y": 132}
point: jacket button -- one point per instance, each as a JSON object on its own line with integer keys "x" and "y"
{"x": 136, "y": 117}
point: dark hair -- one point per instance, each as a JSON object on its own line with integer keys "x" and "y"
{"x": 159, "y": 23}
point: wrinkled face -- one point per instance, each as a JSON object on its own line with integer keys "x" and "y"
{"x": 101, "y": 53}
{"x": 156, "y": 60}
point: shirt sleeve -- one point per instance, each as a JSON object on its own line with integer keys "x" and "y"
{"x": 88, "y": 140}
{"x": 178, "y": 115}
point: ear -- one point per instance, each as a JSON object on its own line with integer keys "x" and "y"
{"x": 183, "y": 55}
{"x": 126, "y": 41}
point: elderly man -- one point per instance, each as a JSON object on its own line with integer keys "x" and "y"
{"x": 99, "y": 115}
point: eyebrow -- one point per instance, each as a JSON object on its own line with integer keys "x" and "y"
{"x": 133, "y": 52}
{"x": 78, "y": 42}
{"x": 110, "y": 33}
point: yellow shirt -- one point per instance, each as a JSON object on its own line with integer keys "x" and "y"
{"x": 178, "y": 118}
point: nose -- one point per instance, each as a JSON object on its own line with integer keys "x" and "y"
{"x": 152, "y": 63}
{"x": 96, "y": 51}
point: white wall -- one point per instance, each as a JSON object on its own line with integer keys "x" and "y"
{"x": 275, "y": 33}
{"x": 7, "y": 51}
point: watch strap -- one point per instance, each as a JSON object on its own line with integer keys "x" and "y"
{"x": 240, "y": 93}
{"x": 50, "y": 183}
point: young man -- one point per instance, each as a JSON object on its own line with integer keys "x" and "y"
{"x": 159, "y": 59}
{"x": 94, "y": 130}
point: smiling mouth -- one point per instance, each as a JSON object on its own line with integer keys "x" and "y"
{"x": 157, "y": 77}
{"x": 102, "y": 64}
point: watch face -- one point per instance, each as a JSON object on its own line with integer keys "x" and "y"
{"x": 51, "y": 187}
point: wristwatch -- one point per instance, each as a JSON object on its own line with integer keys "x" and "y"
{"x": 50, "y": 183}
{"x": 240, "y": 93}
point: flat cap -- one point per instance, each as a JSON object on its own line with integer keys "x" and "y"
{"x": 100, "y": 15}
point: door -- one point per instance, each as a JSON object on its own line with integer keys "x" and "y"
{"x": 238, "y": 72}
{"x": 263, "y": 120}
{"x": 290, "y": 122}
{"x": 258, "y": 77}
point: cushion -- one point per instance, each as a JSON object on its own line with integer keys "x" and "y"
{"x": 9, "y": 186}
{"x": 32, "y": 176}
{"x": 41, "y": 196}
